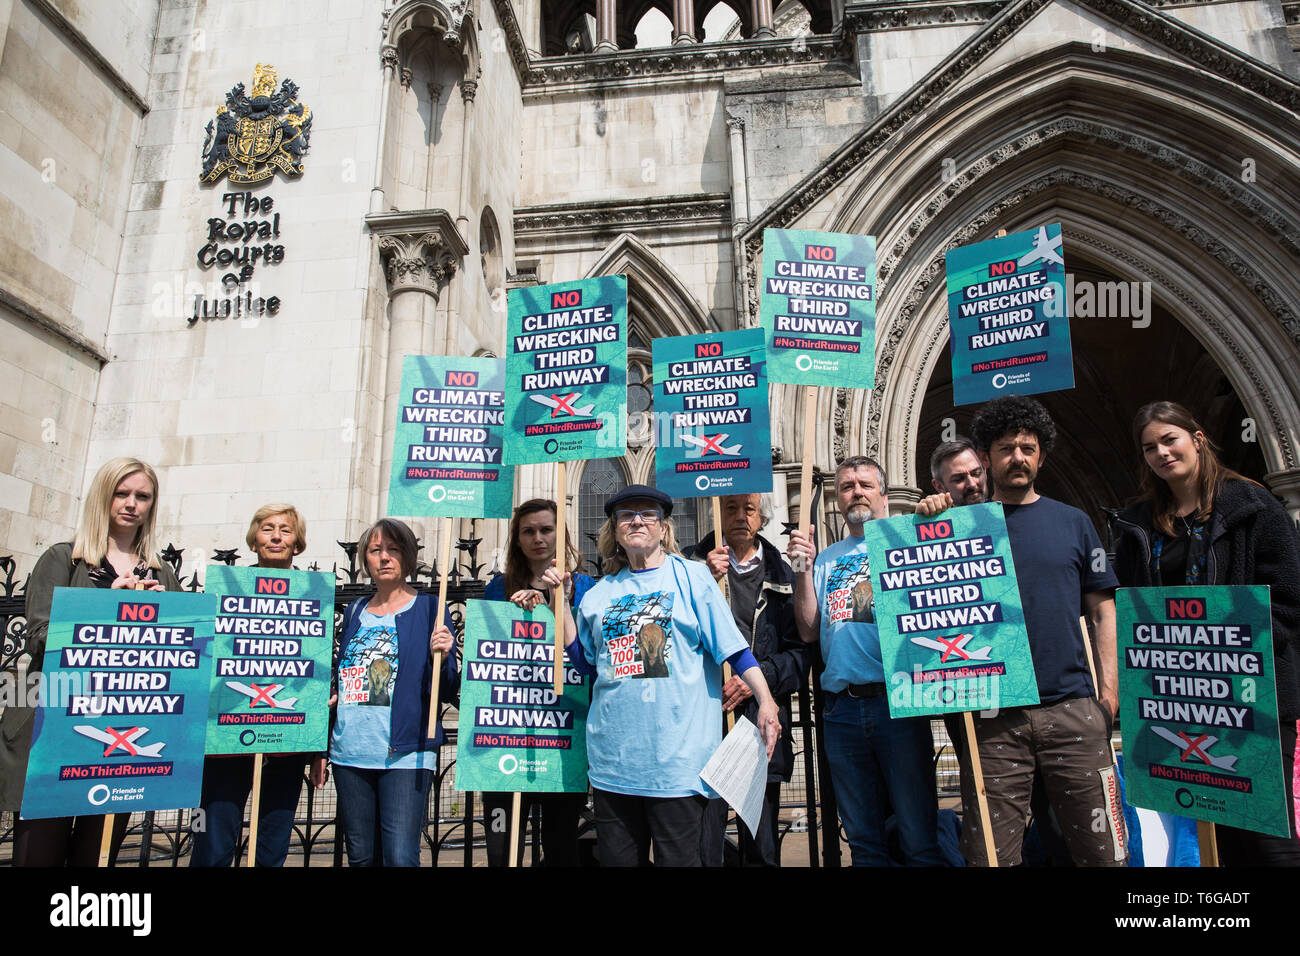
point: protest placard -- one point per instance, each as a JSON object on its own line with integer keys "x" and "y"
{"x": 952, "y": 632}
{"x": 272, "y": 656}
{"x": 713, "y": 436}
{"x": 566, "y": 371}
{"x": 516, "y": 734}
{"x": 1009, "y": 327}
{"x": 818, "y": 307}
{"x": 1198, "y": 705}
{"x": 124, "y": 703}
{"x": 447, "y": 449}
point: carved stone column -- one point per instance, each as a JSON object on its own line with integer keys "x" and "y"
{"x": 421, "y": 252}
{"x": 468, "y": 88}
{"x": 762, "y": 18}
{"x": 388, "y": 56}
{"x": 435, "y": 98}
{"x": 684, "y": 22}
{"x": 739, "y": 191}
{"x": 606, "y": 26}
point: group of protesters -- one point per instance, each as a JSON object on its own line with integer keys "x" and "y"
{"x": 650, "y": 731}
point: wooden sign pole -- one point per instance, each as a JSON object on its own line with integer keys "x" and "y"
{"x": 561, "y": 477}
{"x": 445, "y": 566}
{"x": 805, "y": 474}
{"x": 516, "y": 799}
{"x": 106, "y": 841}
{"x": 728, "y": 716}
{"x": 1208, "y": 844}
{"x": 981, "y": 795}
{"x": 253, "y": 812}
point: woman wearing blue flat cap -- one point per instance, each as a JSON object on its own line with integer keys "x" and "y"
{"x": 656, "y": 631}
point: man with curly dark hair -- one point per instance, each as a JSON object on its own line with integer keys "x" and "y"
{"x": 1063, "y": 573}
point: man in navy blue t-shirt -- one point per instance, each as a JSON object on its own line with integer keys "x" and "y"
{"x": 1063, "y": 573}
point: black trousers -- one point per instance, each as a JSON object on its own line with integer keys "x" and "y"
{"x": 628, "y": 827}
{"x": 560, "y": 813}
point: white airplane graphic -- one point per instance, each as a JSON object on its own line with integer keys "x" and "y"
{"x": 563, "y": 404}
{"x": 123, "y": 739}
{"x": 1196, "y": 747}
{"x": 1044, "y": 249}
{"x": 262, "y": 695}
{"x": 712, "y": 443}
{"x": 956, "y": 645}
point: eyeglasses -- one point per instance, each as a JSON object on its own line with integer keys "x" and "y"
{"x": 647, "y": 517}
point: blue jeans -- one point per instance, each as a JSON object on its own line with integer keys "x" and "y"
{"x": 877, "y": 762}
{"x": 227, "y": 782}
{"x": 382, "y": 809}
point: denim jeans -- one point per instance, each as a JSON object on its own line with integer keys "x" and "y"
{"x": 382, "y": 810}
{"x": 878, "y": 762}
{"x": 227, "y": 782}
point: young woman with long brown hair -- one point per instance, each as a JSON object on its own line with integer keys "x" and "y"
{"x": 1199, "y": 522}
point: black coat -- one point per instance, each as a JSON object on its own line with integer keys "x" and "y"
{"x": 781, "y": 655}
{"x": 1252, "y": 540}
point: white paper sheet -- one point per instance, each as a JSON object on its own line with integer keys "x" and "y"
{"x": 738, "y": 771}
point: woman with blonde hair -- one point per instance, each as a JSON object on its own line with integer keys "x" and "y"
{"x": 656, "y": 631}
{"x": 1198, "y": 522}
{"x": 277, "y": 534}
{"x": 114, "y": 548}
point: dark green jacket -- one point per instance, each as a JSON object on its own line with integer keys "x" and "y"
{"x": 55, "y": 569}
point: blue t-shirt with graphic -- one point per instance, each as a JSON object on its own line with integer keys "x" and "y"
{"x": 849, "y": 636}
{"x": 367, "y": 675}
{"x": 657, "y": 639}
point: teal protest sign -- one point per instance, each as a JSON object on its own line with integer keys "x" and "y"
{"x": 272, "y": 660}
{"x": 566, "y": 371}
{"x": 447, "y": 449}
{"x": 515, "y": 734}
{"x": 1198, "y": 705}
{"x": 711, "y": 410}
{"x": 124, "y": 703}
{"x": 952, "y": 632}
{"x": 818, "y": 307}
{"x": 1008, "y": 324}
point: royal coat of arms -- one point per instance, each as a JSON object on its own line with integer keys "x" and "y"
{"x": 253, "y": 136}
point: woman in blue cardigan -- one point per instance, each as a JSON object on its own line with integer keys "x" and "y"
{"x": 383, "y": 762}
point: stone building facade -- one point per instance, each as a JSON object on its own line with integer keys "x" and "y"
{"x": 459, "y": 149}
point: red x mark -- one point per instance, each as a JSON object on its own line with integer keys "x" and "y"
{"x": 122, "y": 740}
{"x": 1193, "y": 748}
{"x": 711, "y": 445}
{"x": 562, "y": 406}
{"x": 950, "y": 648}
{"x": 263, "y": 694}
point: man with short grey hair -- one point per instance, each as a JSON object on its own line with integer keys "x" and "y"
{"x": 876, "y": 761}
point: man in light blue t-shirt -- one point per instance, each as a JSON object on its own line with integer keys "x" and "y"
{"x": 878, "y": 764}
